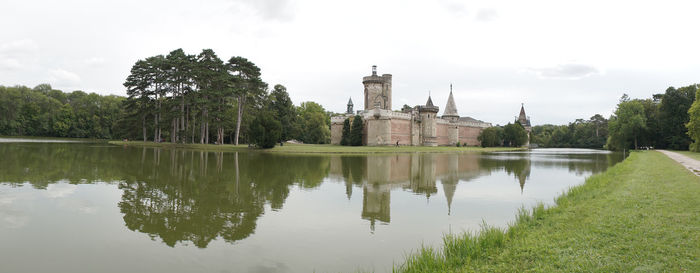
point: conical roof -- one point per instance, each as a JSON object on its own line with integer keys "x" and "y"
{"x": 451, "y": 108}
{"x": 449, "y": 187}
{"x": 350, "y": 102}
{"x": 522, "y": 113}
{"x": 430, "y": 102}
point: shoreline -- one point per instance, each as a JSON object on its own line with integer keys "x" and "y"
{"x": 320, "y": 148}
{"x": 642, "y": 213}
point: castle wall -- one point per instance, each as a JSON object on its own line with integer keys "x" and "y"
{"x": 469, "y": 135}
{"x": 401, "y": 131}
{"x": 442, "y": 138}
{"x": 336, "y": 133}
{"x": 378, "y": 132}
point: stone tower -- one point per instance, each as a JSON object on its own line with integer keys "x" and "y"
{"x": 377, "y": 90}
{"x": 428, "y": 116}
{"x": 451, "y": 115}
{"x": 350, "y": 106}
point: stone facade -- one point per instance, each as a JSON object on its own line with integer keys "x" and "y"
{"x": 417, "y": 126}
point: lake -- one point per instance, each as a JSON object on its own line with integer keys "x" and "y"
{"x": 93, "y": 207}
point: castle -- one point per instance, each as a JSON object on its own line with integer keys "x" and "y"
{"x": 417, "y": 126}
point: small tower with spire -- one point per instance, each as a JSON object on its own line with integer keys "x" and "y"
{"x": 451, "y": 108}
{"x": 350, "y": 106}
{"x": 428, "y": 116}
{"x": 524, "y": 120}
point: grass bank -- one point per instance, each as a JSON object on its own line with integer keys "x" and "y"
{"x": 642, "y": 215}
{"x": 319, "y": 148}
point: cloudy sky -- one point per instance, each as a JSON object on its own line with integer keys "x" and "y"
{"x": 563, "y": 59}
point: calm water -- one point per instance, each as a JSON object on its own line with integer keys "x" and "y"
{"x": 80, "y": 207}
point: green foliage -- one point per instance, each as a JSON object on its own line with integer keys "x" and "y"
{"x": 514, "y": 135}
{"x": 266, "y": 130}
{"x": 315, "y": 123}
{"x": 285, "y": 112}
{"x": 491, "y": 137}
{"x": 591, "y": 133}
{"x": 43, "y": 111}
{"x": 627, "y": 124}
{"x": 693, "y": 124}
{"x": 673, "y": 115}
{"x": 356, "y": 131}
{"x": 345, "y": 138}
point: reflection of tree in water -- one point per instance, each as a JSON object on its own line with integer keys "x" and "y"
{"x": 176, "y": 195}
{"x": 199, "y": 196}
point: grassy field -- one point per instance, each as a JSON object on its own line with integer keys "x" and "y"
{"x": 319, "y": 148}
{"x": 642, "y": 215}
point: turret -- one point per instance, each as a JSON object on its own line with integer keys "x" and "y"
{"x": 451, "y": 108}
{"x": 428, "y": 115}
{"x": 451, "y": 115}
{"x": 350, "y": 106}
{"x": 377, "y": 90}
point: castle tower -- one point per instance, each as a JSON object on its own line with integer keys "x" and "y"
{"x": 428, "y": 115}
{"x": 377, "y": 90}
{"x": 524, "y": 120}
{"x": 451, "y": 115}
{"x": 350, "y": 106}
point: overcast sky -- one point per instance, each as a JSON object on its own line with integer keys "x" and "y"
{"x": 563, "y": 59}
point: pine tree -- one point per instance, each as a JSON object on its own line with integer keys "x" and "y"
{"x": 345, "y": 139}
{"x": 356, "y": 131}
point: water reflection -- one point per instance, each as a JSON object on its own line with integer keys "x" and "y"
{"x": 187, "y": 196}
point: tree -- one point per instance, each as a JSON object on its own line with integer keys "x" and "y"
{"x": 693, "y": 124}
{"x": 265, "y": 130}
{"x": 673, "y": 116}
{"x": 356, "y": 131}
{"x": 284, "y": 111}
{"x": 514, "y": 135}
{"x": 627, "y": 124}
{"x": 345, "y": 139}
{"x": 245, "y": 82}
{"x": 491, "y": 137}
{"x": 314, "y": 122}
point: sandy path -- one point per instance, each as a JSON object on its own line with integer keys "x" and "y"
{"x": 691, "y": 164}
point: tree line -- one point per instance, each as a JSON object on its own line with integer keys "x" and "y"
{"x": 44, "y": 111}
{"x": 179, "y": 98}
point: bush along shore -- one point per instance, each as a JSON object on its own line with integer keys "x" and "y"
{"x": 321, "y": 148}
{"x": 641, "y": 215}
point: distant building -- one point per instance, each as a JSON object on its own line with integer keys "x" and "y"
{"x": 524, "y": 120}
{"x": 417, "y": 126}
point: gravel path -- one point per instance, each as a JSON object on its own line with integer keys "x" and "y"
{"x": 691, "y": 164}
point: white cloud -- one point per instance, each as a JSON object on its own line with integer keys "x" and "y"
{"x": 18, "y": 47}
{"x": 94, "y": 61}
{"x": 566, "y": 71}
{"x": 63, "y": 77}
{"x": 485, "y": 15}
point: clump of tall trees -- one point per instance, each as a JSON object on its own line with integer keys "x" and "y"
{"x": 203, "y": 99}
{"x": 658, "y": 122}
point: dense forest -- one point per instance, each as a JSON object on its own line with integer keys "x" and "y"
{"x": 662, "y": 122}
{"x": 178, "y": 98}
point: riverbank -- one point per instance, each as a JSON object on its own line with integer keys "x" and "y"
{"x": 320, "y": 148}
{"x": 641, "y": 215}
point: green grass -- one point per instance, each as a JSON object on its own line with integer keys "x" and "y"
{"x": 642, "y": 215}
{"x": 320, "y": 148}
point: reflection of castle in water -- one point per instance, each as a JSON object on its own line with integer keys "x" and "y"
{"x": 183, "y": 196}
{"x": 417, "y": 173}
